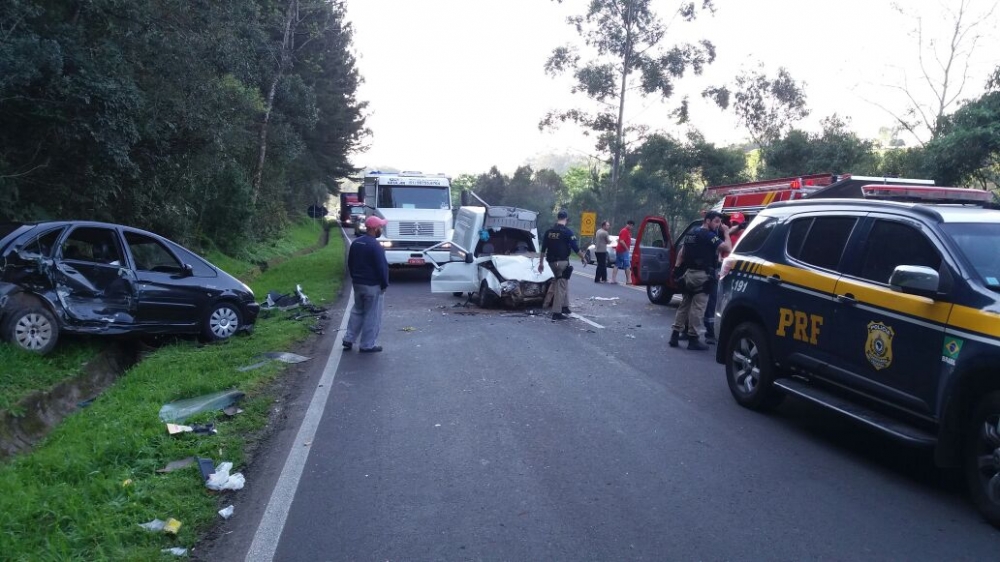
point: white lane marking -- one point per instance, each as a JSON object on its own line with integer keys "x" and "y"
{"x": 265, "y": 540}
{"x": 592, "y": 323}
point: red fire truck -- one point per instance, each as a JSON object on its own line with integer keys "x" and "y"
{"x": 655, "y": 250}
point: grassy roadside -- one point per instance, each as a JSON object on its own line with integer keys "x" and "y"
{"x": 24, "y": 373}
{"x": 68, "y": 499}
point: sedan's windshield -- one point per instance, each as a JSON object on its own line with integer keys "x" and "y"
{"x": 979, "y": 243}
{"x": 413, "y": 197}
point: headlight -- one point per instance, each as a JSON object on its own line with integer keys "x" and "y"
{"x": 386, "y": 243}
{"x": 509, "y": 287}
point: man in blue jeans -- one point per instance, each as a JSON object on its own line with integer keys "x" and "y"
{"x": 370, "y": 277}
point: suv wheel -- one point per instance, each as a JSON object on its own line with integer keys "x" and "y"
{"x": 31, "y": 327}
{"x": 749, "y": 370}
{"x": 222, "y": 322}
{"x": 658, "y": 294}
{"x": 982, "y": 457}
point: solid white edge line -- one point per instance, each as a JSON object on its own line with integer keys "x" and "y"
{"x": 272, "y": 523}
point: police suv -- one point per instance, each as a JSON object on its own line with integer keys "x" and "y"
{"x": 886, "y": 310}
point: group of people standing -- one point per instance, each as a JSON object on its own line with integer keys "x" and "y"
{"x": 602, "y": 239}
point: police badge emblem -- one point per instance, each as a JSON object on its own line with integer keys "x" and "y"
{"x": 878, "y": 348}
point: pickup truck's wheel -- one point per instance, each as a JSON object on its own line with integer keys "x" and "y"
{"x": 659, "y": 294}
{"x": 485, "y": 297}
{"x": 982, "y": 457}
{"x": 31, "y": 327}
{"x": 222, "y": 321}
{"x": 749, "y": 370}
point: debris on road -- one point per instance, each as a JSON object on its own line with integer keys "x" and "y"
{"x": 222, "y": 480}
{"x": 182, "y": 409}
{"x": 226, "y": 512}
{"x": 206, "y": 467}
{"x": 170, "y": 526}
{"x": 408, "y": 329}
{"x": 173, "y": 428}
{"x": 176, "y": 551}
{"x": 603, "y": 298}
{"x": 176, "y": 465}
{"x": 286, "y": 357}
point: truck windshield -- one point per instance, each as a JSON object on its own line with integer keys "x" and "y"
{"x": 413, "y": 197}
{"x": 978, "y": 241}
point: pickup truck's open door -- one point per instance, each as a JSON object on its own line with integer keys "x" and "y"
{"x": 653, "y": 259}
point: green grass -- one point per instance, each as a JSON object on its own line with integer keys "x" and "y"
{"x": 66, "y": 500}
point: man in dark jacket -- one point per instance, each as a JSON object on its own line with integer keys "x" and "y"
{"x": 370, "y": 277}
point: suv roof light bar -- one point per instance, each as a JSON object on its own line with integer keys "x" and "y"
{"x": 927, "y": 194}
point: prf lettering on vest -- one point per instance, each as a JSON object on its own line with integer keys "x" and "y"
{"x": 805, "y": 327}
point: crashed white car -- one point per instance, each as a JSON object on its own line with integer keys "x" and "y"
{"x": 493, "y": 257}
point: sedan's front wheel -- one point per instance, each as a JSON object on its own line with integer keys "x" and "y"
{"x": 32, "y": 327}
{"x": 222, "y": 322}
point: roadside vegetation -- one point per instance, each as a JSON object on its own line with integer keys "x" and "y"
{"x": 83, "y": 491}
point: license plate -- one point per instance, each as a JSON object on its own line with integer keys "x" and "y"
{"x": 416, "y": 261}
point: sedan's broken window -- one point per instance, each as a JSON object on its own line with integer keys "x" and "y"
{"x": 93, "y": 244}
{"x": 150, "y": 255}
{"x": 43, "y": 244}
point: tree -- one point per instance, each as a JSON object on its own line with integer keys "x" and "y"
{"x": 626, "y": 36}
{"x": 766, "y": 107}
{"x": 944, "y": 64}
{"x": 835, "y": 150}
{"x": 967, "y": 148}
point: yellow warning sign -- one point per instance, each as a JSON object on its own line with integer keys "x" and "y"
{"x": 588, "y": 223}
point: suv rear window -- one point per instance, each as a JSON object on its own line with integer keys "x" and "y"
{"x": 756, "y": 235}
{"x": 820, "y": 241}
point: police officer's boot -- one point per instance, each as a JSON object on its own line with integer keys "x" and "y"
{"x": 695, "y": 344}
{"x": 674, "y": 339}
{"x": 710, "y": 333}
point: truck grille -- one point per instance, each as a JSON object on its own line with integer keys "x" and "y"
{"x": 415, "y": 229}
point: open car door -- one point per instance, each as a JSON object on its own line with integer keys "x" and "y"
{"x": 653, "y": 260}
{"x": 458, "y": 275}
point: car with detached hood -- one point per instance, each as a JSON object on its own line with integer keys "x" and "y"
{"x": 493, "y": 256}
{"x": 98, "y": 278}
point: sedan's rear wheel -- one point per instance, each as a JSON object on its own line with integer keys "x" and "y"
{"x": 222, "y": 321}
{"x": 982, "y": 457}
{"x": 749, "y": 370}
{"x": 32, "y": 327}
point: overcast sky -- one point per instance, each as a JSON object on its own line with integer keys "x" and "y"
{"x": 457, "y": 86}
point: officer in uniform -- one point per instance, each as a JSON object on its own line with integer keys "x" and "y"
{"x": 557, "y": 242}
{"x": 697, "y": 259}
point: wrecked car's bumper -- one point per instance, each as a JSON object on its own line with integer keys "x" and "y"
{"x": 518, "y": 293}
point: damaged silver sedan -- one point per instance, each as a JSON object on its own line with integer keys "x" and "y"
{"x": 98, "y": 278}
{"x": 493, "y": 257}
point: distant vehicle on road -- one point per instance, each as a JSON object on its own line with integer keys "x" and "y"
{"x": 591, "y": 256}
{"x": 98, "y": 278}
{"x": 417, "y": 209}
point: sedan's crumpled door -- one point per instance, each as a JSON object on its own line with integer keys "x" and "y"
{"x": 91, "y": 278}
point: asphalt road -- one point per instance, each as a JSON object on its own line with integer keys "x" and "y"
{"x": 503, "y": 435}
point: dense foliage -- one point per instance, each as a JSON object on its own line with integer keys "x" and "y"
{"x": 198, "y": 119}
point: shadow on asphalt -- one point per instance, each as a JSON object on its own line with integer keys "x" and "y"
{"x": 409, "y": 275}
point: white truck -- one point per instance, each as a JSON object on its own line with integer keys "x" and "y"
{"x": 417, "y": 208}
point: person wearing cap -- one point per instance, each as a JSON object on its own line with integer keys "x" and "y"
{"x": 370, "y": 277}
{"x": 698, "y": 257}
{"x": 557, "y": 242}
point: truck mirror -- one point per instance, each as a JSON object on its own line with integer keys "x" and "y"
{"x": 468, "y": 258}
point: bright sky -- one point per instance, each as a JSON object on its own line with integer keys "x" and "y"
{"x": 457, "y": 86}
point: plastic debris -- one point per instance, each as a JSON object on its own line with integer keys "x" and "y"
{"x": 172, "y": 526}
{"x": 286, "y": 357}
{"x": 127, "y": 483}
{"x": 408, "y": 329}
{"x": 630, "y": 336}
{"x": 222, "y": 480}
{"x": 276, "y": 300}
{"x": 182, "y": 409}
{"x": 176, "y": 551}
{"x": 232, "y": 411}
{"x": 206, "y": 466}
{"x": 176, "y": 465}
{"x": 173, "y": 428}
{"x": 226, "y": 512}
{"x": 154, "y": 525}
{"x": 603, "y": 298}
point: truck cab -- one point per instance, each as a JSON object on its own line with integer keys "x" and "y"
{"x": 418, "y": 214}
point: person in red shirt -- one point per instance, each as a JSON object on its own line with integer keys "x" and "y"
{"x": 622, "y": 258}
